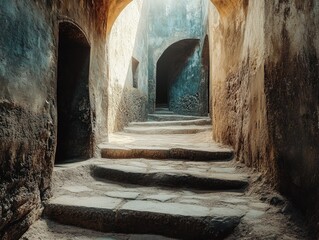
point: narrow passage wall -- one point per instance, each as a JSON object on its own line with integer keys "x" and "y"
{"x": 28, "y": 103}
{"x": 127, "y": 67}
{"x": 264, "y": 69}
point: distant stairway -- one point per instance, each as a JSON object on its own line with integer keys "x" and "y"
{"x": 164, "y": 114}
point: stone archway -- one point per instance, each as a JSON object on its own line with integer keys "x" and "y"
{"x": 179, "y": 83}
{"x": 115, "y": 7}
{"x": 73, "y": 100}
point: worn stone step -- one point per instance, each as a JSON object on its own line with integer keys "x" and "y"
{"x": 183, "y": 153}
{"x": 45, "y": 229}
{"x": 188, "y": 129}
{"x": 161, "y": 109}
{"x": 171, "y": 117}
{"x": 172, "y": 178}
{"x": 176, "y": 220}
{"x": 164, "y": 112}
{"x": 197, "y": 122}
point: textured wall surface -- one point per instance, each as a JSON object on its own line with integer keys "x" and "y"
{"x": 28, "y": 110}
{"x": 264, "y": 66}
{"x": 127, "y": 40}
{"x": 179, "y": 79}
{"x": 169, "y": 22}
{"x": 186, "y": 90}
{"x": 237, "y": 72}
{"x": 292, "y": 90}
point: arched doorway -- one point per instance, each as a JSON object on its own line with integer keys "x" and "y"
{"x": 179, "y": 83}
{"x": 73, "y": 100}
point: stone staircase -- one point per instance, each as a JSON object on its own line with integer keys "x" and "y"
{"x": 134, "y": 190}
{"x": 159, "y": 177}
{"x": 164, "y": 114}
{"x": 177, "y": 185}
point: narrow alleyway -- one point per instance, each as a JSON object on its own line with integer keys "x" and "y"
{"x": 165, "y": 178}
{"x": 159, "y": 119}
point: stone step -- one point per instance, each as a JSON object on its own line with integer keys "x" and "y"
{"x": 188, "y": 129}
{"x": 169, "y": 177}
{"x": 197, "y": 122}
{"x": 162, "y": 109}
{"x": 164, "y": 112}
{"x": 83, "y": 200}
{"x": 172, "y": 117}
{"x": 182, "y": 153}
{"x": 105, "y": 214}
{"x": 45, "y": 229}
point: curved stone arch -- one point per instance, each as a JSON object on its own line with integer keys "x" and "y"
{"x": 75, "y": 25}
{"x": 115, "y": 8}
{"x": 170, "y": 64}
{"x": 165, "y": 46}
{"x": 153, "y": 63}
{"x": 227, "y": 7}
{"x": 169, "y": 43}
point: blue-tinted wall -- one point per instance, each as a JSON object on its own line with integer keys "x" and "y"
{"x": 171, "y": 21}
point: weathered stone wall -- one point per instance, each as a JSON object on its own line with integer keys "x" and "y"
{"x": 237, "y": 88}
{"x": 26, "y": 113}
{"x": 187, "y": 90}
{"x": 127, "y": 40}
{"x": 179, "y": 79}
{"x": 292, "y": 90}
{"x": 264, "y": 69}
{"x": 28, "y": 110}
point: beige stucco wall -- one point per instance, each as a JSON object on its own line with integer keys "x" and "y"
{"x": 237, "y": 81}
{"x": 265, "y": 74}
{"x": 126, "y": 103}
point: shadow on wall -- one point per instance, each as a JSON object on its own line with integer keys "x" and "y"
{"x": 169, "y": 66}
{"x": 205, "y": 76}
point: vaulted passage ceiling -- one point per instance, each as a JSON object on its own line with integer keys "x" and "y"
{"x": 224, "y": 7}
{"x": 114, "y": 9}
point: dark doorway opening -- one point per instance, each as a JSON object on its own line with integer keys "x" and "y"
{"x": 169, "y": 65}
{"x": 206, "y": 75}
{"x": 73, "y": 100}
{"x": 135, "y": 65}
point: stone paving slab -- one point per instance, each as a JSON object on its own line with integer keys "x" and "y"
{"x": 122, "y": 195}
{"x": 143, "y": 217}
{"x": 176, "y": 179}
{"x": 199, "y": 141}
{"x": 206, "y": 169}
{"x": 100, "y": 202}
{"x": 45, "y": 229}
{"x": 181, "y": 209}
